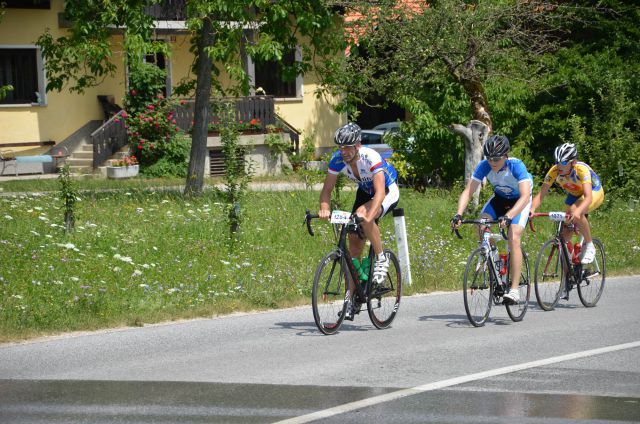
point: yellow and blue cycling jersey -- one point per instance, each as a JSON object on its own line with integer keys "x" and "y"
{"x": 572, "y": 183}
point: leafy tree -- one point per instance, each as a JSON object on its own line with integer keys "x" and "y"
{"x": 219, "y": 30}
{"x": 447, "y": 62}
{"x": 593, "y": 97}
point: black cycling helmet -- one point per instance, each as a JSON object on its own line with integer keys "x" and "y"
{"x": 347, "y": 135}
{"x": 496, "y": 146}
{"x": 565, "y": 153}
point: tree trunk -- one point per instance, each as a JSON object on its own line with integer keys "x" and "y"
{"x": 474, "y": 135}
{"x": 195, "y": 173}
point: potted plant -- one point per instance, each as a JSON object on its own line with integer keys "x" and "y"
{"x": 123, "y": 168}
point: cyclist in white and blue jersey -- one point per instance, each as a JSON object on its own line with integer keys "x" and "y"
{"x": 377, "y": 191}
{"x": 510, "y": 203}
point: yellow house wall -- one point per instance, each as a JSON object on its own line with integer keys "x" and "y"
{"x": 64, "y": 112}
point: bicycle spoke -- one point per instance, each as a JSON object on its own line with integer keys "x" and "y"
{"x": 477, "y": 289}
{"x": 516, "y": 312}
{"x": 592, "y": 278}
{"x": 328, "y": 295}
{"x": 549, "y": 275}
{"x": 384, "y": 298}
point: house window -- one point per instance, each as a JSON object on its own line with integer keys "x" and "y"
{"x": 21, "y": 67}
{"x": 269, "y": 76}
{"x": 27, "y": 4}
{"x": 161, "y": 62}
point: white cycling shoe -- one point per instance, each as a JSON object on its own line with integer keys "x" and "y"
{"x": 380, "y": 269}
{"x": 589, "y": 253}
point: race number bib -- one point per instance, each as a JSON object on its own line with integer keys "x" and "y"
{"x": 340, "y": 217}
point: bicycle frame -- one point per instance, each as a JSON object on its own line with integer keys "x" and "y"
{"x": 485, "y": 243}
{"x": 361, "y": 290}
{"x": 572, "y": 274}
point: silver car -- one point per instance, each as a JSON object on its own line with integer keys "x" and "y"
{"x": 373, "y": 139}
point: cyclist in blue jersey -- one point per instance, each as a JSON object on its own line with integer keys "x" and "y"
{"x": 377, "y": 191}
{"x": 510, "y": 203}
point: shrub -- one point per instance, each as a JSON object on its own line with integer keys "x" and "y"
{"x": 155, "y": 138}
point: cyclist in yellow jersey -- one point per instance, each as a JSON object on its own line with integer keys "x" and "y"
{"x": 584, "y": 192}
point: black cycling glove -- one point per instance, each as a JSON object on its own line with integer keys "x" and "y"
{"x": 504, "y": 221}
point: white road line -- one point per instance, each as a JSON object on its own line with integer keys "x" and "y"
{"x": 340, "y": 409}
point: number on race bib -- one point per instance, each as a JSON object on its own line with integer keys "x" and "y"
{"x": 557, "y": 216}
{"x": 340, "y": 217}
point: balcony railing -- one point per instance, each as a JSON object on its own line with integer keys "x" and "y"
{"x": 112, "y": 135}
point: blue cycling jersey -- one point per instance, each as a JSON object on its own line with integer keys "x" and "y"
{"x": 505, "y": 181}
{"x": 369, "y": 163}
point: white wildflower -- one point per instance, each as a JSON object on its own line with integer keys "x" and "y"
{"x": 137, "y": 273}
{"x": 9, "y": 217}
{"x": 225, "y": 262}
{"x": 139, "y": 210}
{"x": 144, "y": 286}
{"x": 116, "y": 269}
{"x": 126, "y": 259}
{"x": 74, "y": 279}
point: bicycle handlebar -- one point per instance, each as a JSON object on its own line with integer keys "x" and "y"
{"x": 356, "y": 218}
{"x": 481, "y": 221}
{"x": 554, "y": 216}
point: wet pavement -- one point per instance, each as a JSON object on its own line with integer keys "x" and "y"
{"x": 33, "y": 401}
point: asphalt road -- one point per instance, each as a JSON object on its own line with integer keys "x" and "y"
{"x": 570, "y": 365}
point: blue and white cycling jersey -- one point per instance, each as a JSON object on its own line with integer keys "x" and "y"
{"x": 369, "y": 163}
{"x": 505, "y": 182}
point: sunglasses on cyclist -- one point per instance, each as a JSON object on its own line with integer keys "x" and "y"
{"x": 494, "y": 158}
{"x": 564, "y": 162}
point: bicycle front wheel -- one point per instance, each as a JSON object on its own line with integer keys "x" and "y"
{"x": 384, "y": 299}
{"x": 329, "y": 294}
{"x": 477, "y": 288}
{"x": 592, "y": 277}
{"x": 516, "y": 312}
{"x": 549, "y": 275}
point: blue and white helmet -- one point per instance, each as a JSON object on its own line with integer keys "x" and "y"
{"x": 347, "y": 135}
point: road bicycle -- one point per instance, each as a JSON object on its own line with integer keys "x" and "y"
{"x": 331, "y": 293}
{"x": 487, "y": 277}
{"x": 559, "y": 269}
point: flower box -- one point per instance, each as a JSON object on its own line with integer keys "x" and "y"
{"x": 122, "y": 171}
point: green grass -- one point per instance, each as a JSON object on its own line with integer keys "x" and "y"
{"x": 140, "y": 256}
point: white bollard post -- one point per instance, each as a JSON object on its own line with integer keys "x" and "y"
{"x": 403, "y": 244}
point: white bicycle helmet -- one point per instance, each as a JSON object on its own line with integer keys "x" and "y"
{"x": 565, "y": 152}
{"x": 347, "y": 135}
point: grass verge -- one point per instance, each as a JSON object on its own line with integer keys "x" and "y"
{"x": 140, "y": 255}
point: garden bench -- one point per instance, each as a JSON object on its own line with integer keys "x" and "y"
{"x": 10, "y": 164}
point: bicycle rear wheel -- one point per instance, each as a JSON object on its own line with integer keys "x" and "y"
{"x": 516, "y": 312}
{"x": 477, "y": 288}
{"x": 549, "y": 275}
{"x": 329, "y": 294}
{"x": 592, "y": 278}
{"x": 384, "y": 299}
